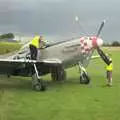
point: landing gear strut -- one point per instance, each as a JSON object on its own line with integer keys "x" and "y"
{"x": 37, "y": 83}
{"x": 84, "y": 78}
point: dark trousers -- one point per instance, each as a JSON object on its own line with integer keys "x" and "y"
{"x": 33, "y": 52}
{"x": 109, "y": 75}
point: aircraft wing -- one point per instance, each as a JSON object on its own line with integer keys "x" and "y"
{"x": 7, "y": 66}
{"x": 24, "y": 65}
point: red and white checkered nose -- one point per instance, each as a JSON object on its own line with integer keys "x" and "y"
{"x": 87, "y": 43}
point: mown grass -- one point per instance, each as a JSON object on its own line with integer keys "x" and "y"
{"x": 6, "y": 47}
{"x": 68, "y": 101}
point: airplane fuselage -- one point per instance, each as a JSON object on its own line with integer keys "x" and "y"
{"x": 68, "y": 52}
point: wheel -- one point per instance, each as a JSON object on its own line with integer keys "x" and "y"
{"x": 58, "y": 75}
{"x": 37, "y": 87}
{"x": 87, "y": 79}
{"x": 81, "y": 80}
{"x": 84, "y": 79}
{"x": 42, "y": 85}
{"x": 8, "y": 75}
{"x": 64, "y": 76}
{"x": 53, "y": 76}
{"x": 38, "y": 84}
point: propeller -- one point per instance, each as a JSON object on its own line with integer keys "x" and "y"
{"x": 97, "y": 42}
{"x": 100, "y": 52}
{"x": 100, "y": 29}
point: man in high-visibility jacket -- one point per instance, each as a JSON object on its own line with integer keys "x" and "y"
{"x": 109, "y": 69}
{"x": 36, "y": 43}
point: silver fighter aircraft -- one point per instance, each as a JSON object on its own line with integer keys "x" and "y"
{"x": 54, "y": 59}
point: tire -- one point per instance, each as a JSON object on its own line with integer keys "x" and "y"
{"x": 58, "y": 75}
{"x": 53, "y": 76}
{"x": 37, "y": 87}
{"x": 8, "y": 75}
{"x": 87, "y": 80}
{"x": 84, "y": 79}
{"x": 43, "y": 85}
{"x": 64, "y": 75}
{"x": 40, "y": 86}
{"x": 81, "y": 80}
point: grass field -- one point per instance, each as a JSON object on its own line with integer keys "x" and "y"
{"x": 68, "y": 101}
{"x": 6, "y": 47}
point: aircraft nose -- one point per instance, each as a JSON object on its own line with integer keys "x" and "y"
{"x": 97, "y": 42}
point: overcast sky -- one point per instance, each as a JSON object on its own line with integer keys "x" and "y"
{"x": 57, "y": 17}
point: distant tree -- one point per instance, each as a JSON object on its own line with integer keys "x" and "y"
{"x": 107, "y": 44}
{"x": 7, "y": 36}
{"x": 115, "y": 43}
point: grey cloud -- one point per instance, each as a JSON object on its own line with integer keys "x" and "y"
{"x": 56, "y": 17}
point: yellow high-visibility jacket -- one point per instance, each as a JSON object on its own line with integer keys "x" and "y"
{"x": 35, "y": 42}
{"x": 109, "y": 67}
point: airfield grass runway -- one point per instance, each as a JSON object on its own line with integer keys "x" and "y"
{"x": 68, "y": 101}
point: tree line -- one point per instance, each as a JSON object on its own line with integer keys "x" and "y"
{"x": 114, "y": 43}
{"x": 7, "y": 36}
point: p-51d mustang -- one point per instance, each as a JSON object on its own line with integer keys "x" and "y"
{"x": 54, "y": 59}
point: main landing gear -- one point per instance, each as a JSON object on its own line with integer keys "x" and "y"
{"x": 84, "y": 78}
{"x": 37, "y": 83}
{"x": 58, "y": 73}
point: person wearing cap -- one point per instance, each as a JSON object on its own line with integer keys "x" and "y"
{"x": 109, "y": 69}
{"x": 36, "y": 43}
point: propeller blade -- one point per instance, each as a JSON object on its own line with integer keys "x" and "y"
{"x": 101, "y": 26}
{"x": 103, "y": 56}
